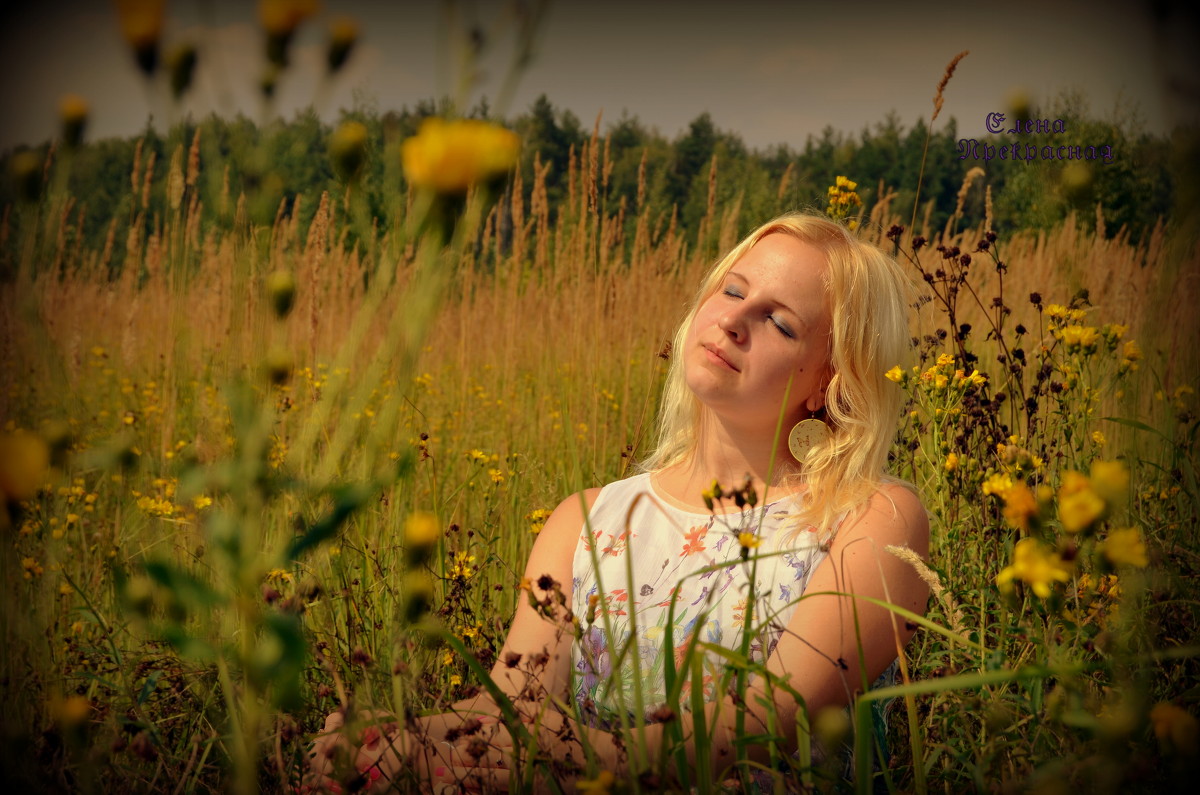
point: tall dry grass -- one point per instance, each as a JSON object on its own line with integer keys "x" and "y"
{"x": 546, "y": 356}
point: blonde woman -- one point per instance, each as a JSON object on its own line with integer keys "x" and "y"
{"x": 777, "y": 393}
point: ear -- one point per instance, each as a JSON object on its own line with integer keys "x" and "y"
{"x": 816, "y": 401}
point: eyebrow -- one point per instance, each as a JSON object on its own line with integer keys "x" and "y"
{"x": 779, "y": 304}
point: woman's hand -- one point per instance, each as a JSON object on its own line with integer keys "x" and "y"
{"x": 485, "y": 755}
{"x": 467, "y": 749}
{"x": 348, "y": 759}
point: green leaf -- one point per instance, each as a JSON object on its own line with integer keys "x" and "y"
{"x": 1138, "y": 424}
{"x": 188, "y": 589}
{"x": 187, "y": 645}
{"x": 148, "y": 687}
{"x": 347, "y": 499}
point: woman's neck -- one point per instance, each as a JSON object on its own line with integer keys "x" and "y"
{"x": 730, "y": 455}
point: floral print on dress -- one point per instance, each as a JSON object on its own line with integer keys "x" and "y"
{"x": 689, "y": 586}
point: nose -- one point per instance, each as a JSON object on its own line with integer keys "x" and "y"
{"x": 731, "y": 323}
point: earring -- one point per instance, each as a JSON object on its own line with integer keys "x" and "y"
{"x": 805, "y": 435}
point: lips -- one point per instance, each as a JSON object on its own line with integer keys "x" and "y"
{"x": 715, "y": 353}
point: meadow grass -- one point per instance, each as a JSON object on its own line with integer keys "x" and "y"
{"x": 218, "y": 557}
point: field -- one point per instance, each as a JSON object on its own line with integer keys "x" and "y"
{"x": 254, "y": 474}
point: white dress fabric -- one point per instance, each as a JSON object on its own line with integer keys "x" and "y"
{"x": 651, "y": 578}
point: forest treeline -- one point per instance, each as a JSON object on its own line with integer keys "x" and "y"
{"x": 266, "y": 168}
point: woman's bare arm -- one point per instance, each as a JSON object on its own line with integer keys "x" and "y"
{"x": 533, "y": 633}
{"x": 533, "y": 661}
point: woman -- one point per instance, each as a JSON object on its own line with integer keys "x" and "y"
{"x": 793, "y": 329}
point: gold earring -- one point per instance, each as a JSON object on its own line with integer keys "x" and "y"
{"x": 805, "y": 435}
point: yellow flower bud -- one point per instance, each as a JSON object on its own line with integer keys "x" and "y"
{"x": 281, "y": 290}
{"x": 348, "y": 150}
{"x": 448, "y": 157}
{"x": 141, "y": 25}
{"x": 343, "y": 34}
{"x": 73, "y": 111}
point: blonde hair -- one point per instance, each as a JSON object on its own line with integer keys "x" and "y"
{"x": 868, "y": 298}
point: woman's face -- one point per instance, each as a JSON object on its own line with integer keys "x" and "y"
{"x": 768, "y": 320}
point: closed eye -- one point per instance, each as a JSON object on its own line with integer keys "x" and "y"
{"x": 732, "y": 292}
{"x": 783, "y": 329}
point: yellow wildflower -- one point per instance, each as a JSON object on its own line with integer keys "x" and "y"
{"x": 279, "y": 576}
{"x": 455, "y": 680}
{"x": 951, "y": 462}
{"x": 1113, "y": 332}
{"x": 1034, "y": 564}
{"x": 1131, "y": 353}
{"x": 343, "y": 33}
{"x": 748, "y": 540}
{"x": 141, "y": 25}
{"x": 70, "y": 712}
{"x": 24, "y": 464}
{"x": 421, "y": 529}
{"x": 1111, "y": 481}
{"x": 1176, "y": 725}
{"x": 842, "y": 198}
{"x": 155, "y": 506}
{"x": 1125, "y": 547}
{"x": 462, "y": 565}
{"x": 31, "y": 568}
{"x": 1080, "y": 338}
{"x": 895, "y": 374}
{"x": 1079, "y": 506}
{"x": 450, "y": 156}
{"x": 281, "y": 17}
{"x": 944, "y": 359}
{"x": 998, "y": 483}
{"x": 1056, "y": 311}
{"x": 73, "y": 112}
{"x": 537, "y": 519}
{"x": 496, "y": 475}
{"x": 600, "y": 785}
{"x": 1020, "y": 506}
{"x": 348, "y": 149}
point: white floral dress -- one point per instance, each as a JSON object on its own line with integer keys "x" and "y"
{"x": 650, "y": 579}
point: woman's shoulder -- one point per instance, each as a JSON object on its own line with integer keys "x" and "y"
{"x": 892, "y": 514}
{"x": 569, "y": 516}
{"x": 558, "y": 536}
{"x": 574, "y": 508}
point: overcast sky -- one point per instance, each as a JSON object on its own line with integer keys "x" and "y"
{"x": 774, "y": 72}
